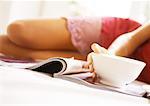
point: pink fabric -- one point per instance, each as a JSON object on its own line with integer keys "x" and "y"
{"x": 84, "y": 31}
{"x": 112, "y": 27}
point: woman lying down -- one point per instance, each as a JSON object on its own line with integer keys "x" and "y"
{"x": 73, "y": 37}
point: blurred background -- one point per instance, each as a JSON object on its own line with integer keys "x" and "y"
{"x": 11, "y": 10}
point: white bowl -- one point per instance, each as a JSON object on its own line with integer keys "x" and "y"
{"x": 115, "y": 70}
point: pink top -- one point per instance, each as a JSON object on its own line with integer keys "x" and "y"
{"x": 84, "y": 31}
{"x": 102, "y": 30}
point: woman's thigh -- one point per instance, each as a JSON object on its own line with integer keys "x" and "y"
{"x": 10, "y": 49}
{"x": 41, "y": 34}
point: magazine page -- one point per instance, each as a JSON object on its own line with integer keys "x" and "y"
{"x": 56, "y": 65}
{"x": 51, "y": 65}
{"x": 73, "y": 66}
{"x": 59, "y": 66}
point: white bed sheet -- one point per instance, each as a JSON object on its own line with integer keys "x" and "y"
{"x": 19, "y": 86}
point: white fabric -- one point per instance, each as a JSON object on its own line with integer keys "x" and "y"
{"x": 19, "y": 86}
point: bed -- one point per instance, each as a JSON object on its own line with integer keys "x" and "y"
{"x": 20, "y": 86}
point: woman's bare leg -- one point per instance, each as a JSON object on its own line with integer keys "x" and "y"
{"x": 51, "y": 34}
{"x": 9, "y": 48}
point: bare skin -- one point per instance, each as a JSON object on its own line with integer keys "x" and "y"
{"x": 27, "y": 39}
{"x": 9, "y": 48}
{"x": 40, "y": 39}
{"x": 51, "y": 34}
{"x": 124, "y": 45}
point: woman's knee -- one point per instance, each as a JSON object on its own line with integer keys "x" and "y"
{"x": 17, "y": 34}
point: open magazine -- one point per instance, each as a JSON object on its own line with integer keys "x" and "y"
{"x": 71, "y": 70}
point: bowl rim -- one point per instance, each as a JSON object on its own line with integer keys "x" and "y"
{"x": 120, "y": 58}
